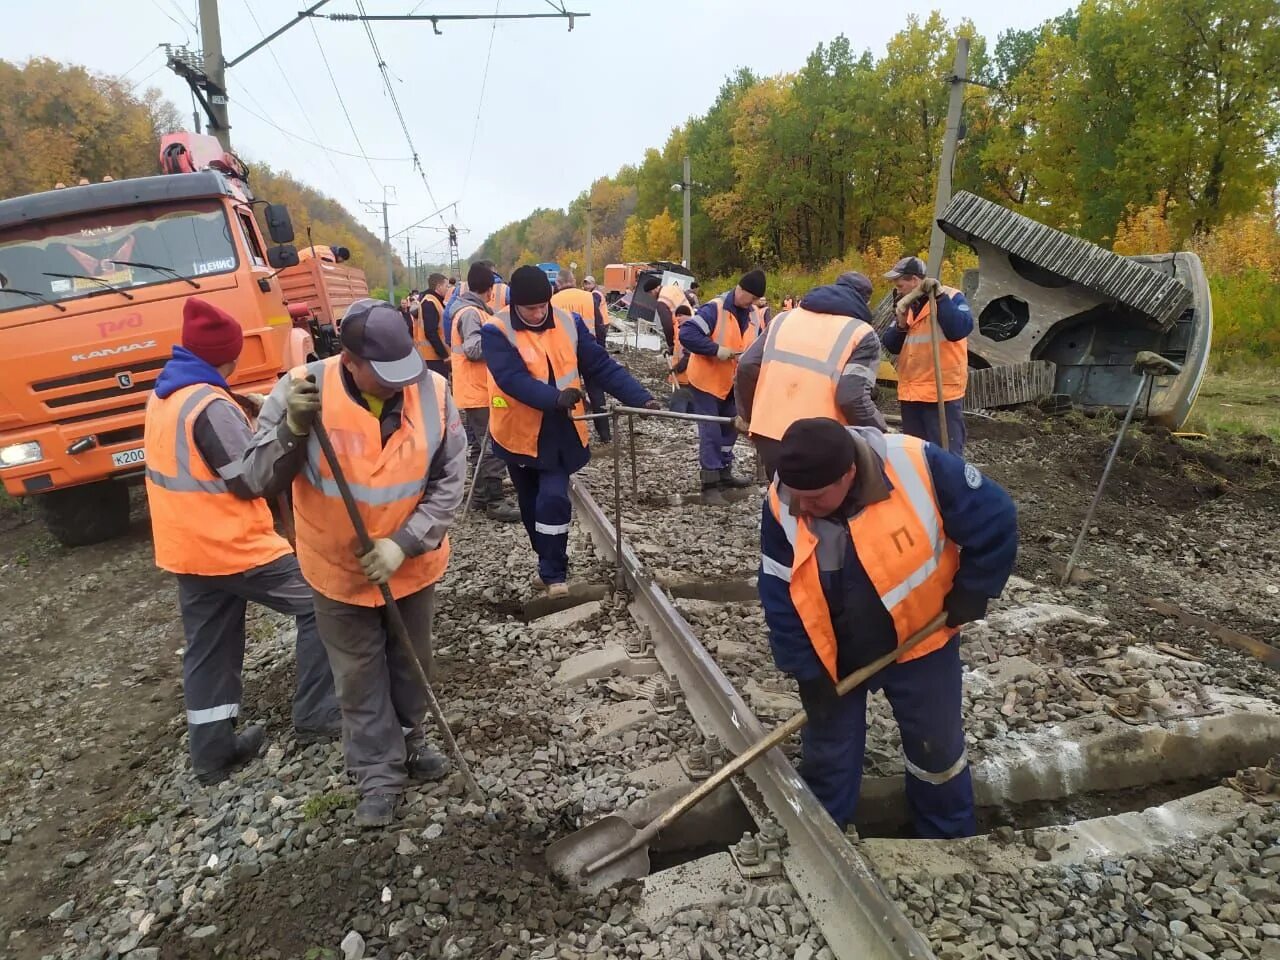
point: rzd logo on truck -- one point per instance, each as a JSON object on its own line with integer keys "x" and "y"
{"x": 112, "y": 351}
{"x": 128, "y": 322}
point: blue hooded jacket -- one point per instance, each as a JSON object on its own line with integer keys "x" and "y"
{"x": 839, "y": 299}
{"x": 184, "y": 369}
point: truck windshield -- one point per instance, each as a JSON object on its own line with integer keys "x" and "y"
{"x": 174, "y": 242}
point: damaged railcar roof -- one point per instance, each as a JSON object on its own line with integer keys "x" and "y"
{"x": 1159, "y": 296}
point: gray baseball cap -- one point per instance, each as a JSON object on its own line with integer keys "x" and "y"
{"x": 375, "y": 331}
{"x": 907, "y": 267}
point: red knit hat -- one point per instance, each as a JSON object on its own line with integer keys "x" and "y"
{"x": 210, "y": 332}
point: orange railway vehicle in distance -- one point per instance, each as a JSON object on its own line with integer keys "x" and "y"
{"x": 92, "y": 283}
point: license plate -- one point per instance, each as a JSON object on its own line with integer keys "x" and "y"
{"x": 126, "y": 458}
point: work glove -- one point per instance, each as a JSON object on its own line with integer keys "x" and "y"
{"x": 964, "y": 606}
{"x": 931, "y": 287}
{"x": 569, "y": 399}
{"x": 302, "y": 403}
{"x": 724, "y": 353}
{"x": 819, "y": 697}
{"x": 382, "y": 561}
{"x": 652, "y": 404}
{"x": 906, "y": 300}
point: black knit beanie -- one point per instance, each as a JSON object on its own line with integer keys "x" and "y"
{"x": 814, "y": 453}
{"x": 530, "y": 287}
{"x": 753, "y": 283}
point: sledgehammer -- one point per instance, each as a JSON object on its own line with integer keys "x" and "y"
{"x": 398, "y": 628}
{"x": 1149, "y": 365}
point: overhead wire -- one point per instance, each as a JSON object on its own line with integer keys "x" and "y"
{"x": 342, "y": 103}
{"x": 484, "y": 80}
{"x": 395, "y": 102}
{"x": 315, "y": 143}
{"x": 177, "y": 23}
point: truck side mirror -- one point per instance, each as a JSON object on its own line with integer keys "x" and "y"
{"x": 284, "y": 255}
{"x": 279, "y": 223}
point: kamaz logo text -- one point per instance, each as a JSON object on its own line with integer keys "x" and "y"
{"x": 112, "y": 351}
{"x": 128, "y": 322}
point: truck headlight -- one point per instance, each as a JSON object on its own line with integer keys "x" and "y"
{"x": 17, "y": 454}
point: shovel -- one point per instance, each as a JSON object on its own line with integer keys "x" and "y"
{"x": 398, "y": 628}
{"x": 612, "y": 850}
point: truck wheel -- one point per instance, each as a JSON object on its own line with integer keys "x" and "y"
{"x": 90, "y": 513}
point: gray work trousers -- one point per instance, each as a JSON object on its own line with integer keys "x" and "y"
{"x": 383, "y": 703}
{"x": 491, "y": 470}
{"x": 213, "y": 610}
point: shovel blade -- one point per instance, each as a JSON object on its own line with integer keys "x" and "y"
{"x": 569, "y": 856}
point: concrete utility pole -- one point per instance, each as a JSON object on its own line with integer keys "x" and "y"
{"x": 587, "y": 252}
{"x": 937, "y": 239}
{"x": 688, "y": 201}
{"x": 215, "y": 68}
{"x": 386, "y": 239}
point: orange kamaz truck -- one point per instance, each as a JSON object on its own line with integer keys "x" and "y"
{"x": 92, "y": 282}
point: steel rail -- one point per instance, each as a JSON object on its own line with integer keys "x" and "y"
{"x": 843, "y": 896}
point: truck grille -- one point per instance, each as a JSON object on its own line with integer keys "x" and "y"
{"x": 97, "y": 386}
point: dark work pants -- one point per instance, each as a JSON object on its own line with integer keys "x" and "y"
{"x": 490, "y": 470}
{"x": 213, "y": 610}
{"x": 920, "y": 419}
{"x": 439, "y": 366}
{"x": 383, "y": 703}
{"x": 715, "y": 440}
{"x": 925, "y": 695}
{"x": 543, "y": 496}
{"x": 595, "y": 399}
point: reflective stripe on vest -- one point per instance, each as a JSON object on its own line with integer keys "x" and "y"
{"x": 915, "y": 362}
{"x": 900, "y": 543}
{"x": 499, "y": 296}
{"x": 387, "y": 483}
{"x": 805, "y": 354}
{"x": 603, "y": 303}
{"x": 515, "y": 426}
{"x": 573, "y": 300}
{"x": 198, "y": 526}
{"x": 711, "y": 374}
{"x": 420, "y": 328}
{"x": 470, "y": 377}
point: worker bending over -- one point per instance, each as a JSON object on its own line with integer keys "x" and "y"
{"x": 211, "y": 528}
{"x": 401, "y": 447}
{"x": 865, "y": 538}
{"x": 583, "y": 305}
{"x": 714, "y": 337}
{"x": 817, "y": 360}
{"x": 538, "y": 356}
{"x": 911, "y": 339}
{"x": 471, "y": 393}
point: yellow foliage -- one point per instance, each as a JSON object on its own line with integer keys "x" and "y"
{"x": 1241, "y": 244}
{"x": 663, "y": 237}
{"x": 1147, "y": 229}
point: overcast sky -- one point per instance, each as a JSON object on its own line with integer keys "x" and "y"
{"x": 559, "y": 108}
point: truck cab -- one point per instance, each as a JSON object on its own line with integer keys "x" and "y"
{"x": 92, "y": 283}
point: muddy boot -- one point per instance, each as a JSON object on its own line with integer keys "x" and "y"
{"x": 557, "y": 590}
{"x": 425, "y": 763}
{"x": 712, "y": 495}
{"x": 376, "y": 810}
{"x": 247, "y": 747}
{"x": 730, "y": 482}
{"x": 501, "y": 512}
{"x": 538, "y": 582}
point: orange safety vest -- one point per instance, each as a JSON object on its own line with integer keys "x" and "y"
{"x": 470, "y": 377}
{"x": 915, "y": 362}
{"x": 386, "y": 481}
{"x": 198, "y": 526}
{"x": 420, "y": 328}
{"x": 900, "y": 543}
{"x": 515, "y": 426}
{"x": 573, "y": 300}
{"x": 756, "y": 328}
{"x": 673, "y": 296}
{"x": 804, "y": 356}
{"x": 710, "y": 374}
{"x": 499, "y": 297}
{"x": 603, "y": 303}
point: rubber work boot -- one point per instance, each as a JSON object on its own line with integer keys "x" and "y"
{"x": 712, "y": 495}
{"x": 727, "y": 479}
{"x": 327, "y": 734}
{"x": 425, "y": 763}
{"x": 375, "y": 810}
{"x": 247, "y": 747}
{"x": 501, "y": 512}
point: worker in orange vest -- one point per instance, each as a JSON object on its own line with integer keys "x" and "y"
{"x": 714, "y": 337}
{"x": 583, "y": 305}
{"x": 428, "y": 327}
{"x": 538, "y": 357}
{"x": 602, "y": 304}
{"x": 471, "y": 312}
{"x": 817, "y": 360}
{"x": 400, "y": 444}
{"x": 910, "y": 338}
{"x": 865, "y": 538}
{"x": 212, "y": 529}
